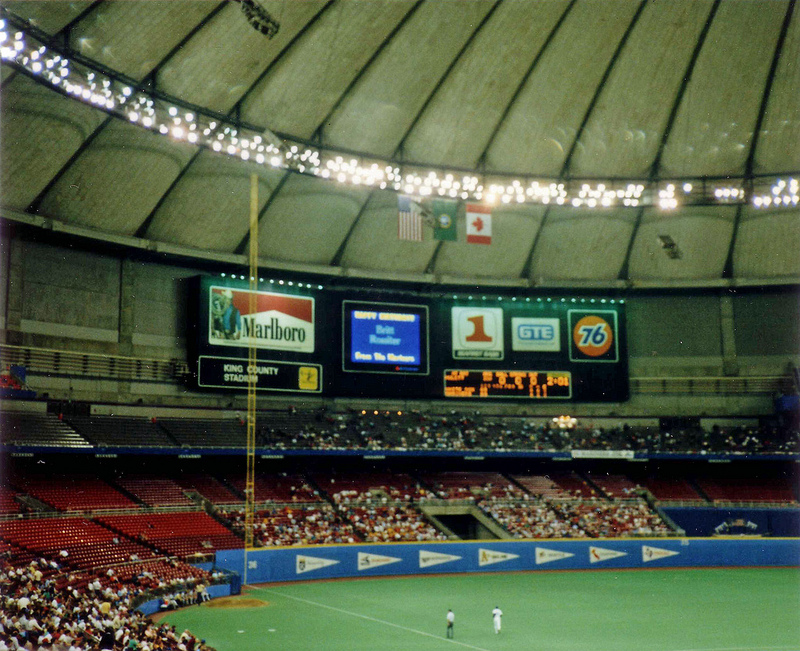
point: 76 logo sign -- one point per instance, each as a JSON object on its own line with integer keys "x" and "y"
{"x": 593, "y": 336}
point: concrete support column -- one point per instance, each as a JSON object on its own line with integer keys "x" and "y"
{"x": 127, "y": 325}
{"x": 730, "y": 364}
{"x": 11, "y": 271}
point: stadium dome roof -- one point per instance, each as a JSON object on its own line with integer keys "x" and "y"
{"x": 619, "y": 143}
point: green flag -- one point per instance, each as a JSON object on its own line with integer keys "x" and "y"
{"x": 444, "y": 219}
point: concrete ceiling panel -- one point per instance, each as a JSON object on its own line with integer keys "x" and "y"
{"x": 376, "y": 113}
{"x": 40, "y": 130}
{"x": 49, "y": 16}
{"x": 295, "y": 97}
{"x": 542, "y": 124}
{"x": 374, "y": 245}
{"x": 118, "y": 180}
{"x": 480, "y": 87}
{"x": 582, "y": 244}
{"x": 133, "y": 37}
{"x": 702, "y": 238}
{"x": 782, "y": 119}
{"x": 713, "y": 130}
{"x": 768, "y": 244}
{"x": 624, "y": 130}
{"x": 308, "y": 220}
{"x": 209, "y": 208}
{"x": 216, "y": 67}
{"x": 513, "y": 232}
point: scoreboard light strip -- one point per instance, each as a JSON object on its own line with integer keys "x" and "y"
{"x": 520, "y": 385}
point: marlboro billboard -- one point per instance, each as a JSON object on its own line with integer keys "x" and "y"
{"x": 279, "y": 322}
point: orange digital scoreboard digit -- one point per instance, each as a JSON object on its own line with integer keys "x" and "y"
{"x": 507, "y": 384}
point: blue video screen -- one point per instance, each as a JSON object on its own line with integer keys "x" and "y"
{"x": 385, "y": 338}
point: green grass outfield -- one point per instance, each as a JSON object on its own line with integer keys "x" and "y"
{"x": 644, "y": 610}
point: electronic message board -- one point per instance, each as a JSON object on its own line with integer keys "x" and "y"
{"x": 384, "y": 338}
{"x": 357, "y": 342}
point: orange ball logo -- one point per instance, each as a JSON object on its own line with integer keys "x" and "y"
{"x": 592, "y": 336}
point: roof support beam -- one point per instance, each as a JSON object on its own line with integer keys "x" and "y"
{"x": 37, "y": 202}
{"x": 399, "y": 149}
{"x": 318, "y": 132}
{"x": 337, "y": 257}
{"x": 482, "y": 158}
{"x": 565, "y": 169}
{"x": 624, "y": 273}
{"x": 655, "y": 166}
{"x": 762, "y": 110}
{"x": 237, "y": 107}
{"x": 526, "y": 270}
{"x": 152, "y": 76}
{"x": 66, "y": 31}
{"x": 142, "y": 230}
{"x": 246, "y": 239}
{"x": 687, "y": 77}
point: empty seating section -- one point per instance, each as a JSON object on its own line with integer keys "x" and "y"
{"x": 540, "y": 486}
{"x": 613, "y": 486}
{"x": 207, "y": 433}
{"x": 370, "y": 486}
{"x": 8, "y": 501}
{"x": 277, "y": 488}
{"x": 120, "y": 431}
{"x": 180, "y": 534}
{"x": 154, "y": 491}
{"x": 72, "y": 492}
{"x": 745, "y": 489}
{"x": 471, "y": 485}
{"x": 86, "y": 543}
{"x": 573, "y": 483}
{"x": 44, "y": 430}
{"x": 209, "y": 487}
{"x": 304, "y": 524}
{"x": 672, "y": 489}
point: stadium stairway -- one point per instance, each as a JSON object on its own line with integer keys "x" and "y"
{"x": 696, "y": 486}
{"x": 34, "y": 505}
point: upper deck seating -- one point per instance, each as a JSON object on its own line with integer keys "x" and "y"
{"x": 72, "y": 492}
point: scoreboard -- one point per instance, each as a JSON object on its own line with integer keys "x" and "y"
{"x": 508, "y": 384}
{"x": 360, "y": 343}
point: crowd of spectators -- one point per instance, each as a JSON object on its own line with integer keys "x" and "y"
{"x": 386, "y": 430}
{"x": 576, "y": 518}
{"x": 398, "y": 523}
{"x": 316, "y": 524}
{"x": 44, "y": 609}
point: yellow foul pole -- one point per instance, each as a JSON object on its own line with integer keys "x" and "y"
{"x": 249, "y": 490}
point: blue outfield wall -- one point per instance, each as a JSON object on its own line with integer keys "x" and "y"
{"x": 153, "y": 606}
{"x": 706, "y": 520}
{"x": 347, "y": 561}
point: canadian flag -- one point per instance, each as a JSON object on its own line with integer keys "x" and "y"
{"x": 479, "y": 224}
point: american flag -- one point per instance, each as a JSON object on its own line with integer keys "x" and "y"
{"x": 409, "y": 219}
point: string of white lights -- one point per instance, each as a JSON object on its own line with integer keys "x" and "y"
{"x": 175, "y": 120}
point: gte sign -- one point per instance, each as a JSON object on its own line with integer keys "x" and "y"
{"x": 594, "y": 336}
{"x": 477, "y": 333}
{"x": 540, "y": 335}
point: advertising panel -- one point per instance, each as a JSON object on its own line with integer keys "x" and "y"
{"x": 361, "y": 342}
{"x": 535, "y": 334}
{"x": 280, "y": 321}
{"x": 477, "y": 333}
{"x": 593, "y": 336}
